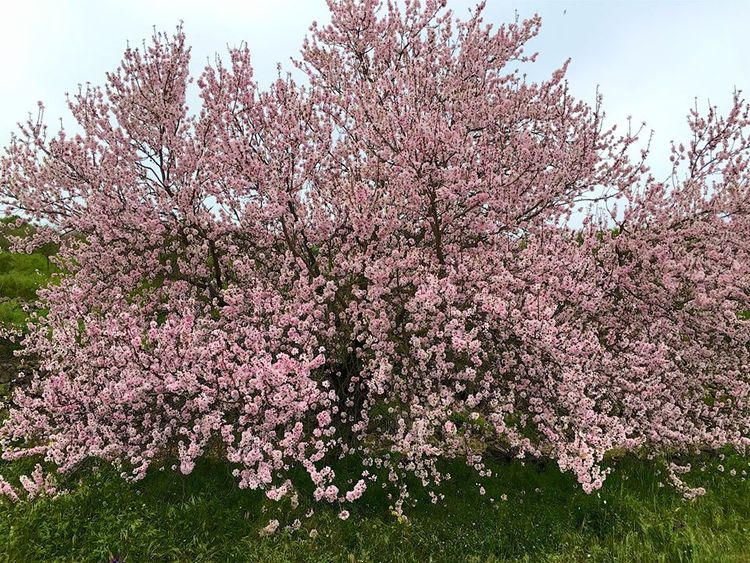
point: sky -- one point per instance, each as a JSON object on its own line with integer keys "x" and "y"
{"x": 650, "y": 59}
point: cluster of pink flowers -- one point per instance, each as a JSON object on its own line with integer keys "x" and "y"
{"x": 379, "y": 264}
{"x": 33, "y": 485}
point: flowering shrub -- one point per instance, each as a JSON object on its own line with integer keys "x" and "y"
{"x": 377, "y": 263}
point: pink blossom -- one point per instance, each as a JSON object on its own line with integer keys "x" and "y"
{"x": 296, "y": 274}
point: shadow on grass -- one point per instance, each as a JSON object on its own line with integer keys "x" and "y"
{"x": 546, "y": 517}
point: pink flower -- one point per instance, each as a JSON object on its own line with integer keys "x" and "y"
{"x": 291, "y": 275}
{"x": 270, "y": 528}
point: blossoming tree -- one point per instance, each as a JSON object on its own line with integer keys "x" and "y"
{"x": 377, "y": 263}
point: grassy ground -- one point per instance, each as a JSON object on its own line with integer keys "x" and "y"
{"x": 20, "y": 277}
{"x": 205, "y": 517}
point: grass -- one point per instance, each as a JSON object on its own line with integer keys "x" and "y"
{"x": 206, "y": 517}
{"x": 20, "y": 277}
{"x": 20, "y": 274}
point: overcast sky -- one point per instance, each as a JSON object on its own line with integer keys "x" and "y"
{"x": 650, "y": 59}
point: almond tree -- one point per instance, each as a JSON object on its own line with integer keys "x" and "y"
{"x": 377, "y": 263}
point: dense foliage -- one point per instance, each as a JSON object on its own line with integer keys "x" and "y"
{"x": 377, "y": 264}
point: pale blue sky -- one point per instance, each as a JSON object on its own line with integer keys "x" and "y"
{"x": 649, "y": 58}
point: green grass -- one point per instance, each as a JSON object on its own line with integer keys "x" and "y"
{"x": 20, "y": 277}
{"x": 206, "y": 517}
{"x": 20, "y": 274}
{"x": 11, "y": 312}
